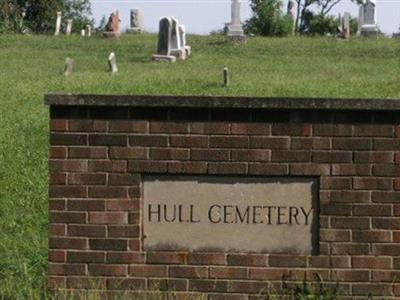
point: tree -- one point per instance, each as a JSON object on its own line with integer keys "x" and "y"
{"x": 268, "y": 19}
{"x": 79, "y": 11}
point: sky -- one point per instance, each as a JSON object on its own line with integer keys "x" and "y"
{"x": 203, "y": 16}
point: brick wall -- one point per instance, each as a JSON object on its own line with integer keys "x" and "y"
{"x": 98, "y": 155}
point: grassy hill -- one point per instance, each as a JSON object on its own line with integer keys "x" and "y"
{"x": 31, "y": 66}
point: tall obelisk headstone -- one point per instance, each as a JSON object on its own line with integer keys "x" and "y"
{"x": 235, "y": 28}
{"x": 292, "y": 13}
{"x": 177, "y": 49}
{"x": 164, "y": 41}
{"x": 58, "y": 23}
{"x": 369, "y": 26}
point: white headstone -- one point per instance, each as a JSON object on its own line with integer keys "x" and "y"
{"x": 346, "y": 25}
{"x": 182, "y": 34}
{"x": 136, "y": 21}
{"x": 83, "y": 33}
{"x": 69, "y": 27}
{"x": 112, "y": 63}
{"x": 88, "y": 30}
{"x": 368, "y": 14}
{"x": 235, "y": 28}
{"x": 176, "y": 43}
{"x": 68, "y": 66}
{"x": 58, "y": 23}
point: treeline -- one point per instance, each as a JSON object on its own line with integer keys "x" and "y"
{"x": 39, "y": 16}
{"x": 311, "y": 18}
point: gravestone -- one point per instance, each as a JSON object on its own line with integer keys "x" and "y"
{"x": 83, "y": 33}
{"x": 112, "y": 63}
{"x": 88, "y": 30}
{"x": 369, "y": 27}
{"x": 113, "y": 26}
{"x": 177, "y": 49}
{"x": 164, "y": 41}
{"x": 346, "y": 26}
{"x": 235, "y": 28}
{"x": 182, "y": 34}
{"x": 292, "y": 13}
{"x": 68, "y": 66}
{"x": 136, "y": 21}
{"x": 58, "y": 23}
{"x": 69, "y": 27}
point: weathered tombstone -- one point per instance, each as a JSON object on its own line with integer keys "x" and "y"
{"x": 369, "y": 26}
{"x": 235, "y": 28}
{"x": 83, "y": 33}
{"x": 346, "y": 26}
{"x": 69, "y": 27}
{"x": 360, "y": 18}
{"x": 112, "y": 63}
{"x": 88, "y": 30}
{"x": 176, "y": 43}
{"x": 68, "y": 66}
{"x": 113, "y": 26}
{"x": 164, "y": 41}
{"x": 182, "y": 34}
{"x": 136, "y": 21}
{"x": 58, "y": 23}
{"x": 226, "y": 77}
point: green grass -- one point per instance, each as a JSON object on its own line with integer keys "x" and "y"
{"x": 31, "y": 66}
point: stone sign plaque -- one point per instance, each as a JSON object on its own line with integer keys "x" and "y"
{"x": 230, "y": 214}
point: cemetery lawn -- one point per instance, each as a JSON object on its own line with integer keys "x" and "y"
{"x": 31, "y": 66}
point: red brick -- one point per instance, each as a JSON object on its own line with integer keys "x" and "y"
{"x": 85, "y": 283}
{"x": 108, "y": 270}
{"x": 253, "y": 287}
{"x": 310, "y": 169}
{"x": 108, "y": 218}
{"x": 372, "y": 210}
{"x": 134, "y": 218}
{"x": 58, "y": 152}
{"x": 247, "y": 260}
{"x": 86, "y": 205}
{"x": 351, "y": 144}
{"x": 87, "y": 179}
{"x": 188, "y": 272}
{"x": 183, "y": 141}
{"x": 86, "y": 257}
{"x": 229, "y": 142}
{"x": 268, "y": 169}
{"x": 371, "y": 236}
{"x": 68, "y": 165}
{"x": 372, "y": 183}
{"x": 251, "y": 128}
{"x": 148, "y": 271}
{"x": 333, "y": 235}
{"x": 57, "y": 178}
{"x": 350, "y": 275}
{"x": 135, "y": 245}
{"x": 122, "y": 205}
{"x": 291, "y": 129}
{"x": 228, "y": 273}
{"x": 108, "y": 140}
{"x": 210, "y": 128}
{"x": 351, "y": 169}
{"x": 68, "y": 139}
{"x": 118, "y": 166}
{"x": 123, "y": 179}
{"x": 227, "y": 168}
{"x": 268, "y": 273}
{"x": 54, "y": 283}
{"x": 386, "y": 249}
{"x": 128, "y": 153}
{"x": 125, "y": 257}
{"x": 386, "y": 223}
{"x": 86, "y": 230}
{"x": 386, "y": 197}
{"x": 68, "y": 217}
{"x": 126, "y": 284}
{"x": 57, "y": 256}
{"x": 147, "y": 167}
{"x": 148, "y": 140}
{"x": 388, "y": 170}
{"x": 207, "y": 259}
{"x": 349, "y": 249}
{"x": 251, "y": 155}
{"x": 58, "y": 125}
{"x": 172, "y": 285}
{"x": 187, "y": 167}
{"x": 87, "y": 125}
{"x": 166, "y": 258}
{"x": 108, "y": 192}
{"x": 57, "y": 230}
{"x": 88, "y": 152}
{"x": 371, "y": 262}
{"x": 287, "y": 261}
{"x": 270, "y": 142}
{"x": 108, "y": 244}
{"x": 386, "y": 144}
{"x": 332, "y": 262}
{"x": 333, "y": 130}
{"x": 374, "y": 157}
{"x": 124, "y": 231}
{"x": 68, "y": 243}
{"x": 210, "y": 155}
{"x": 350, "y": 222}
{"x": 332, "y": 156}
{"x": 300, "y": 143}
{"x": 369, "y": 290}
{"x": 351, "y": 196}
{"x": 200, "y": 285}
{"x": 386, "y": 276}
{"x": 227, "y": 297}
{"x": 67, "y": 269}
{"x": 129, "y": 126}
{"x": 374, "y": 130}
{"x": 336, "y": 183}
{"x": 169, "y": 154}
{"x": 169, "y": 127}
{"x": 290, "y": 156}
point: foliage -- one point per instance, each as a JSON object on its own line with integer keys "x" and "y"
{"x": 79, "y": 11}
{"x": 321, "y": 25}
{"x": 268, "y": 20}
